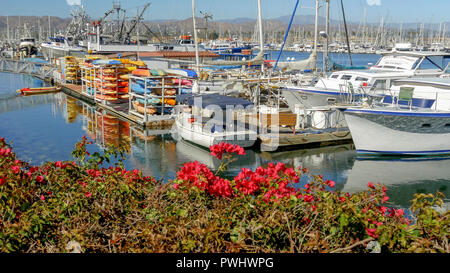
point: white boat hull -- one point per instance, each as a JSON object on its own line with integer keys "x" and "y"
{"x": 198, "y": 136}
{"x": 406, "y": 134}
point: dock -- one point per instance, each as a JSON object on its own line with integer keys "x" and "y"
{"x": 118, "y": 110}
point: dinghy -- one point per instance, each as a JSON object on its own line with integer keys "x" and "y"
{"x": 40, "y": 90}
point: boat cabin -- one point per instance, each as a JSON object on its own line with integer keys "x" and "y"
{"x": 417, "y": 63}
{"x": 370, "y": 80}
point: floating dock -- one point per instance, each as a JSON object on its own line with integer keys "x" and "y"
{"x": 119, "y": 110}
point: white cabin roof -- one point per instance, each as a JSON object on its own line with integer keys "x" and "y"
{"x": 435, "y": 81}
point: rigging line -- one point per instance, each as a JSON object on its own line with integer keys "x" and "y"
{"x": 286, "y": 35}
{"x": 346, "y": 34}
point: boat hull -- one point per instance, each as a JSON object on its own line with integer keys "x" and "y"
{"x": 196, "y": 135}
{"x": 407, "y": 133}
{"x": 38, "y": 91}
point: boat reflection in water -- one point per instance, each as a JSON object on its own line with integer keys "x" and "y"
{"x": 333, "y": 162}
{"x": 188, "y": 151}
{"x": 403, "y": 176}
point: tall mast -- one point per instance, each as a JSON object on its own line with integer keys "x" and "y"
{"x": 346, "y": 34}
{"x": 316, "y": 26}
{"x": 49, "y": 27}
{"x": 7, "y": 27}
{"x": 261, "y": 41}
{"x": 327, "y": 29}
{"x": 197, "y": 59}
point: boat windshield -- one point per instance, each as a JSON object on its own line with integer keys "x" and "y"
{"x": 435, "y": 62}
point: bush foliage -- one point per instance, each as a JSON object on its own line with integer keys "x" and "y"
{"x": 80, "y": 206}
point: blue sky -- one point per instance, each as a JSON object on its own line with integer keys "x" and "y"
{"x": 431, "y": 11}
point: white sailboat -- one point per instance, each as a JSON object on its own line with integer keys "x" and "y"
{"x": 208, "y": 120}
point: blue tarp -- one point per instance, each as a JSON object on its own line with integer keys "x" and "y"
{"x": 190, "y": 73}
{"x": 212, "y": 99}
{"x": 35, "y": 60}
{"x": 112, "y": 62}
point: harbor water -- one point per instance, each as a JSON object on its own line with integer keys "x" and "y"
{"x": 46, "y": 127}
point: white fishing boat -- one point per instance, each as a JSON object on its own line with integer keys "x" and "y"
{"x": 209, "y": 119}
{"x": 399, "y": 130}
{"x": 61, "y": 46}
{"x": 350, "y": 85}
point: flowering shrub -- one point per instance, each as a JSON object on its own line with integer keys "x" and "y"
{"x": 110, "y": 209}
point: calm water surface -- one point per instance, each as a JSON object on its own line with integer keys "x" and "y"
{"x": 46, "y": 127}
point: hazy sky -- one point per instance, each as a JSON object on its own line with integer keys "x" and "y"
{"x": 431, "y": 11}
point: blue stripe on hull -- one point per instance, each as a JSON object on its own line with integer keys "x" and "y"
{"x": 422, "y": 103}
{"x": 437, "y": 152}
{"x": 401, "y": 113}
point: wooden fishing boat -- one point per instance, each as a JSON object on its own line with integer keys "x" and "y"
{"x": 40, "y": 90}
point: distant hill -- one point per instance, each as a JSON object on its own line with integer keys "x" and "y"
{"x": 273, "y": 28}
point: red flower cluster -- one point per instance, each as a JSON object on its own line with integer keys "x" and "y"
{"x": 219, "y": 149}
{"x": 5, "y": 151}
{"x": 200, "y": 176}
{"x": 273, "y": 181}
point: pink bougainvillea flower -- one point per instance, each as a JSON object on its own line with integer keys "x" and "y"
{"x": 42, "y": 197}
{"x": 219, "y": 149}
{"x": 399, "y": 213}
{"x": 371, "y": 232}
{"x": 39, "y": 179}
{"x": 308, "y": 198}
{"x": 330, "y": 183}
{"x": 370, "y": 185}
{"x": 87, "y": 194}
{"x": 15, "y": 169}
{"x": 2, "y": 180}
{"x": 58, "y": 164}
{"x": 176, "y": 186}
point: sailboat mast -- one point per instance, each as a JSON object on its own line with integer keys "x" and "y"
{"x": 197, "y": 59}
{"x": 346, "y": 34}
{"x": 7, "y": 27}
{"x": 327, "y": 29}
{"x": 261, "y": 41}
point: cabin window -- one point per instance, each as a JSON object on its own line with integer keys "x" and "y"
{"x": 335, "y": 76}
{"x": 346, "y": 77}
{"x": 426, "y": 125}
{"x": 379, "y": 85}
{"x": 361, "y": 79}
